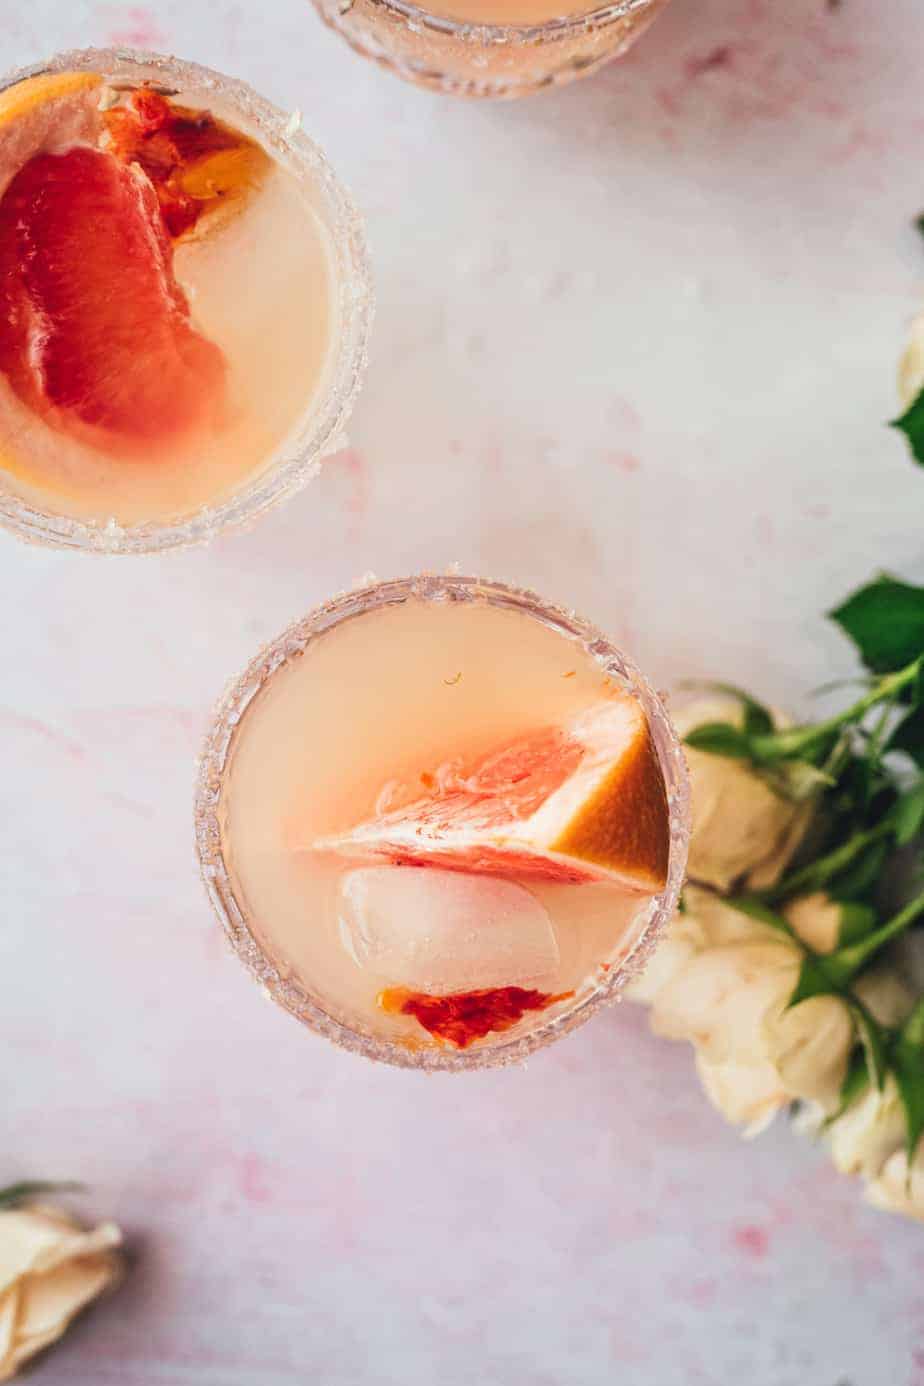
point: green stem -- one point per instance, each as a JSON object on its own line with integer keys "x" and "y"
{"x": 30, "y": 1188}
{"x": 854, "y": 958}
{"x": 817, "y": 873}
{"x": 913, "y": 1028}
{"x": 798, "y": 742}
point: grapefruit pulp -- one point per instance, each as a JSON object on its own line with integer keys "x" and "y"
{"x": 466, "y": 1016}
{"x": 575, "y": 803}
{"x": 95, "y": 331}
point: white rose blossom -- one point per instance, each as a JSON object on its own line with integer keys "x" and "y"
{"x": 50, "y": 1269}
{"x": 911, "y": 366}
{"x": 894, "y": 1191}
{"x": 743, "y": 830}
{"x": 722, "y": 980}
{"x": 869, "y": 1132}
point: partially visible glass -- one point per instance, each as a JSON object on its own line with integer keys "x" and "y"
{"x": 496, "y": 60}
{"x": 318, "y": 430}
{"x": 246, "y": 933}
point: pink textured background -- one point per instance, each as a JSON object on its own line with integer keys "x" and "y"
{"x": 635, "y": 346}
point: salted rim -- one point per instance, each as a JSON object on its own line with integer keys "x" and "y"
{"x": 548, "y": 31}
{"x": 298, "y": 459}
{"x": 215, "y": 757}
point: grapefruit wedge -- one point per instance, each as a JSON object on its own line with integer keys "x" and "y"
{"x": 580, "y": 802}
{"x": 94, "y": 329}
{"x": 96, "y": 337}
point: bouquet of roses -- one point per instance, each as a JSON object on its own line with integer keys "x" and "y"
{"x": 788, "y": 966}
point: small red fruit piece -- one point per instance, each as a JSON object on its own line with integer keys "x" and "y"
{"x": 195, "y": 163}
{"x": 464, "y": 1016}
{"x": 94, "y": 328}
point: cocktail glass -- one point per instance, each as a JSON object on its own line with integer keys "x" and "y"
{"x": 317, "y": 430}
{"x": 247, "y": 934}
{"x": 517, "y": 53}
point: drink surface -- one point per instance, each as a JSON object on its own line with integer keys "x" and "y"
{"x": 501, "y": 12}
{"x": 158, "y": 356}
{"x": 373, "y": 708}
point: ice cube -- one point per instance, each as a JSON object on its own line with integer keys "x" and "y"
{"x": 443, "y": 931}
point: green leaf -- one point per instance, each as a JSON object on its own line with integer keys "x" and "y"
{"x": 908, "y": 736}
{"x": 757, "y": 718}
{"x": 919, "y": 223}
{"x": 885, "y": 620}
{"x": 856, "y": 922}
{"x": 873, "y": 1041}
{"x": 915, "y": 694}
{"x": 844, "y": 963}
{"x": 862, "y": 877}
{"x": 911, "y": 423}
{"x": 821, "y": 742}
{"x": 755, "y": 908}
{"x": 798, "y": 780}
{"x": 810, "y": 744}
{"x": 856, "y": 1081}
{"x": 875, "y": 742}
{"x": 831, "y": 867}
{"x": 719, "y": 739}
{"x": 32, "y": 1188}
{"x": 813, "y": 981}
{"x": 908, "y": 814}
{"x": 908, "y": 1066}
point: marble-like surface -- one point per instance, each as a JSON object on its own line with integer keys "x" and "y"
{"x": 635, "y": 346}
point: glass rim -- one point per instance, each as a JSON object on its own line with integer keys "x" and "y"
{"x": 318, "y": 433}
{"x": 215, "y": 758}
{"x": 470, "y": 31}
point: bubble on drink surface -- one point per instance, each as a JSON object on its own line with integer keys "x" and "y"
{"x": 444, "y": 931}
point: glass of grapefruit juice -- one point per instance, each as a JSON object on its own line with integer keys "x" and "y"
{"x": 489, "y": 48}
{"x": 442, "y": 821}
{"x": 185, "y": 303}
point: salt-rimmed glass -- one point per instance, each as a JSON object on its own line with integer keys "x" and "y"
{"x": 319, "y": 431}
{"x": 487, "y": 60}
{"x": 218, "y": 754}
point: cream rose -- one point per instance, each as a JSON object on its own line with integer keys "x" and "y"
{"x": 722, "y": 981}
{"x": 50, "y": 1269}
{"x": 893, "y": 1190}
{"x": 742, "y": 829}
{"x": 911, "y": 366}
{"x": 871, "y": 1130}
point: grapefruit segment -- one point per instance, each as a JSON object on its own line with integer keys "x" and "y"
{"x": 581, "y": 802}
{"x": 94, "y": 329}
{"x": 466, "y": 1016}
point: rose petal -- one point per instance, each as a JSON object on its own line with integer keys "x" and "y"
{"x": 50, "y": 1301}
{"x": 720, "y": 923}
{"x": 809, "y": 1047}
{"x": 741, "y": 827}
{"x": 719, "y": 1000}
{"x": 745, "y": 1094}
{"x": 28, "y": 1236}
{"x": 869, "y": 1132}
{"x": 50, "y": 1269}
{"x": 706, "y": 921}
{"x": 893, "y": 1192}
{"x": 37, "y": 1239}
{"x": 9, "y": 1312}
{"x": 816, "y": 918}
{"x": 911, "y": 367}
